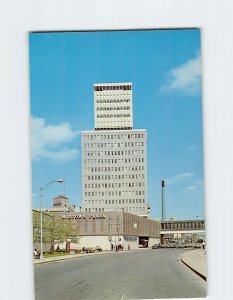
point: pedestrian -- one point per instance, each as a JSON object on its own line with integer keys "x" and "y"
{"x": 128, "y": 246}
{"x": 36, "y": 254}
{"x": 203, "y": 245}
{"x": 112, "y": 246}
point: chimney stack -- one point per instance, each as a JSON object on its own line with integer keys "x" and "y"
{"x": 163, "y": 201}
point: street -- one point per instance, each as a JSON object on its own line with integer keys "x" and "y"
{"x": 136, "y": 274}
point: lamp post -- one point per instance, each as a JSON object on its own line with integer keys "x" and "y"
{"x": 42, "y": 191}
{"x": 197, "y": 228}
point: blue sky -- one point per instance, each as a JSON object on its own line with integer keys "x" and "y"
{"x": 165, "y": 69}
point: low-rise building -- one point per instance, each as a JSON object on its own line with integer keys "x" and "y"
{"x": 110, "y": 229}
{"x": 182, "y": 231}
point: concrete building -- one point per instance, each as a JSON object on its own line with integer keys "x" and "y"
{"x": 114, "y": 228}
{"x": 114, "y": 160}
{"x": 182, "y": 231}
{"x": 61, "y": 204}
{"x": 113, "y": 106}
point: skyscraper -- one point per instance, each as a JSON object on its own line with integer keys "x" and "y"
{"x": 114, "y": 160}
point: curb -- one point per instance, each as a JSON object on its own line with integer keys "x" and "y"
{"x": 195, "y": 271}
{"x": 70, "y": 257}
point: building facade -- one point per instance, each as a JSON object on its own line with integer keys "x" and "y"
{"x": 113, "y": 228}
{"x": 113, "y": 106}
{"x": 114, "y": 160}
{"x": 188, "y": 231}
{"x": 61, "y": 203}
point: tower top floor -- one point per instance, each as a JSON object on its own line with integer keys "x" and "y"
{"x": 113, "y": 106}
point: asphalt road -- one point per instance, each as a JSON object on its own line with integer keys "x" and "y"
{"x": 141, "y": 274}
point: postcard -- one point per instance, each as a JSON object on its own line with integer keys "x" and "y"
{"x": 117, "y": 164}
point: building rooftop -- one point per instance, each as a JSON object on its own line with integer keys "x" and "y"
{"x": 60, "y": 196}
{"x": 112, "y": 83}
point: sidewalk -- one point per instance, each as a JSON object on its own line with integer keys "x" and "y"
{"x": 196, "y": 261}
{"x": 68, "y": 256}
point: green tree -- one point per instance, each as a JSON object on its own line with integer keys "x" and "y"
{"x": 36, "y": 226}
{"x": 55, "y": 229}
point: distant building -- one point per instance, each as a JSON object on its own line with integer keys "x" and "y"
{"x": 182, "y": 231}
{"x": 61, "y": 204}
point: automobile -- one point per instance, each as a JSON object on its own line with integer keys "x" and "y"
{"x": 155, "y": 246}
{"x": 172, "y": 245}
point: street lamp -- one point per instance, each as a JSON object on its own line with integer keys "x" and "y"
{"x": 196, "y": 226}
{"x": 42, "y": 191}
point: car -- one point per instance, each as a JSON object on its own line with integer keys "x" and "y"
{"x": 198, "y": 245}
{"x": 155, "y": 246}
{"x": 172, "y": 245}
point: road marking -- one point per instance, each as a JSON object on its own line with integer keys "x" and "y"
{"x": 123, "y": 297}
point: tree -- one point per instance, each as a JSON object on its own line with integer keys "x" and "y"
{"x": 55, "y": 229}
{"x": 36, "y": 226}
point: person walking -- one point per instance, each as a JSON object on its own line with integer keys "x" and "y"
{"x": 203, "y": 245}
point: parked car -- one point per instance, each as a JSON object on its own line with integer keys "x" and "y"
{"x": 198, "y": 245}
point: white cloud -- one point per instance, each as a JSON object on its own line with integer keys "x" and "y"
{"x": 197, "y": 186}
{"x": 179, "y": 177}
{"x": 47, "y": 141}
{"x": 185, "y": 78}
{"x": 190, "y": 188}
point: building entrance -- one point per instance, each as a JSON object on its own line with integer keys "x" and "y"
{"x": 143, "y": 241}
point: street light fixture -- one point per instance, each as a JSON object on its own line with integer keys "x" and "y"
{"x": 197, "y": 228}
{"x": 42, "y": 191}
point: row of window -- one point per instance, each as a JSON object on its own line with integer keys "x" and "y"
{"x": 113, "y": 184}
{"x": 113, "y": 145}
{"x": 141, "y": 209}
{"x": 113, "y": 100}
{"x": 109, "y": 161}
{"x": 113, "y": 116}
{"x": 122, "y": 125}
{"x": 114, "y": 201}
{"x": 114, "y": 108}
{"x": 115, "y": 193}
{"x": 113, "y": 136}
{"x": 113, "y": 169}
{"x": 113, "y": 88}
{"x": 114, "y": 153}
{"x": 109, "y": 177}
{"x": 183, "y": 225}
{"x": 111, "y": 94}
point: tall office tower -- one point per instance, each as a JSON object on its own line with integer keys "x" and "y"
{"x": 114, "y": 161}
{"x": 113, "y": 106}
